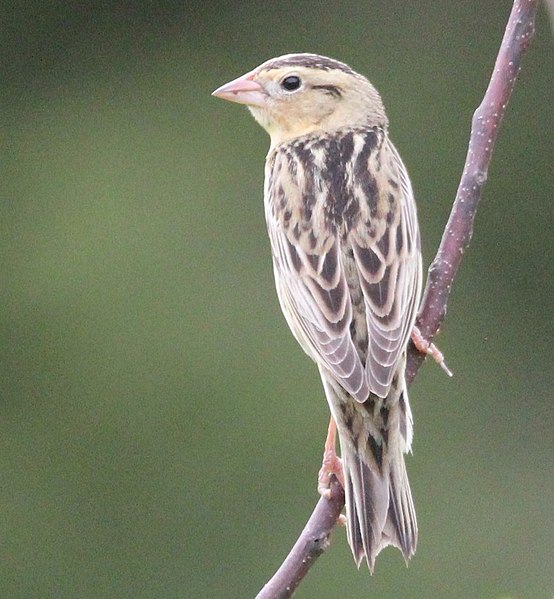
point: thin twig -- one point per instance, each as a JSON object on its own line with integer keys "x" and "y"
{"x": 312, "y": 542}
{"x": 486, "y": 121}
{"x": 484, "y": 131}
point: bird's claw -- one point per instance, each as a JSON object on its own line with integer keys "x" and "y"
{"x": 331, "y": 465}
{"x": 430, "y": 349}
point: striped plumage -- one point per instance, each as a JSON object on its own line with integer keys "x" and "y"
{"x": 345, "y": 243}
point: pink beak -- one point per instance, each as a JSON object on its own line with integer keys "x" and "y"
{"x": 243, "y": 91}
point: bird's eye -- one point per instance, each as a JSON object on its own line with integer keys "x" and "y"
{"x": 291, "y": 83}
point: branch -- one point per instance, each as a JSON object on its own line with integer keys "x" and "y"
{"x": 520, "y": 29}
{"x": 312, "y": 542}
{"x": 484, "y": 131}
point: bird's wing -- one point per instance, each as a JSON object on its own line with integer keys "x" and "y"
{"x": 314, "y": 295}
{"x": 316, "y": 302}
{"x": 388, "y": 260}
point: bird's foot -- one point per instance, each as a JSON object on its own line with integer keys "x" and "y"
{"x": 430, "y": 349}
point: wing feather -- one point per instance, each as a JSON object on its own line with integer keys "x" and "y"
{"x": 390, "y": 274}
{"x": 314, "y": 296}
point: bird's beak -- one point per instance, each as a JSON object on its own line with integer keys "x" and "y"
{"x": 243, "y": 91}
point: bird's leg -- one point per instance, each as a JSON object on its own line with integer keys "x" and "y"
{"x": 331, "y": 464}
{"x": 430, "y": 349}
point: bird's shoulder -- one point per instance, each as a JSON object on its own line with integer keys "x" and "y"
{"x": 327, "y": 185}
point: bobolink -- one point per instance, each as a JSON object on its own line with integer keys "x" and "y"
{"x": 346, "y": 253}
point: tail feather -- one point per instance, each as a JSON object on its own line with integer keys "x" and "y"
{"x": 401, "y": 509}
{"x": 379, "y": 508}
{"x": 353, "y": 530}
{"x": 366, "y": 507}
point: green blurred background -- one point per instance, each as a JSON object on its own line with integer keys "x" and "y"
{"x": 160, "y": 430}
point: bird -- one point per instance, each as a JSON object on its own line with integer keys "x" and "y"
{"x": 345, "y": 244}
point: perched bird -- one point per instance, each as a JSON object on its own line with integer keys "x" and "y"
{"x": 345, "y": 242}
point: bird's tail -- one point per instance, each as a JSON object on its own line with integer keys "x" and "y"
{"x": 379, "y": 505}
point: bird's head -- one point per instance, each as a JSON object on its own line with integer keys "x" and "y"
{"x": 298, "y": 94}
